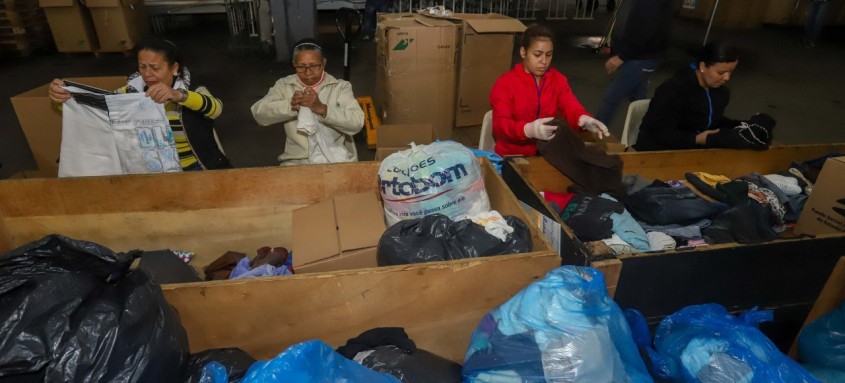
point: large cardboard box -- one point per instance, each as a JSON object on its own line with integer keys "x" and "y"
{"x": 486, "y": 52}
{"x": 120, "y": 24}
{"x": 393, "y": 138}
{"x": 71, "y": 24}
{"x": 824, "y": 212}
{"x": 330, "y": 236}
{"x": 438, "y": 303}
{"x": 41, "y": 122}
{"x": 416, "y": 71}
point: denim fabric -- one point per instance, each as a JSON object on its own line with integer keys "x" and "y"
{"x": 368, "y": 27}
{"x": 631, "y": 82}
{"x": 667, "y": 205}
{"x": 794, "y": 207}
{"x": 816, "y": 12}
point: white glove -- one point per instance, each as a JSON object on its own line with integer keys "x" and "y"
{"x": 593, "y": 125}
{"x": 538, "y": 129}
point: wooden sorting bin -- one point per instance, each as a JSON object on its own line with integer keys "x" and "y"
{"x": 439, "y": 304}
{"x": 784, "y": 275}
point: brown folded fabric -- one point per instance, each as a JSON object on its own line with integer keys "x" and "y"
{"x": 222, "y": 266}
{"x": 275, "y": 257}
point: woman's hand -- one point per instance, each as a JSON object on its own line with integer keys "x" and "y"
{"x": 612, "y": 64}
{"x": 701, "y": 138}
{"x": 311, "y": 101}
{"x": 57, "y": 93}
{"x": 296, "y": 101}
{"x": 161, "y": 93}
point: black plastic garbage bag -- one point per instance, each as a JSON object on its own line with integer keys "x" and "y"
{"x": 420, "y": 366}
{"x": 437, "y": 238}
{"x": 235, "y": 360}
{"x": 72, "y": 311}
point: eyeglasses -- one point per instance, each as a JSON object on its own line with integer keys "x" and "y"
{"x": 309, "y": 68}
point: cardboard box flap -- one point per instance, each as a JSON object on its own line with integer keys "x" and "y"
{"x": 314, "y": 232}
{"x": 55, "y": 3}
{"x": 507, "y": 25}
{"x": 401, "y": 135}
{"x": 360, "y": 220}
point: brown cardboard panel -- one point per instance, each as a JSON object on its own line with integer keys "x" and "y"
{"x": 314, "y": 233}
{"x": 42, "y": 124}
{"x": 119, "y": 26}
{"x": 71, "y": 25}
{"x": 824, "y": 212}
{"x": 56, "y": 3}
{"x": 496, "y": 25}
{"x": 382, "y": 153}
{"x": 484, "y": 58}
{"x": 360, "y": 220}
{"x": 416, "y": 72}
{"x": 394, "y": 136}
{"x": 356, "y": 259}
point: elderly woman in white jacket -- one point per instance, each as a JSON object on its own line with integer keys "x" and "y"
{"x": 319, "y": 111}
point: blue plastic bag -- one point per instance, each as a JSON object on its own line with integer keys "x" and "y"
{"x": 307, "y": 362}
{"x": 495, "y": 159}
{"x": 707, "y": 344}
{"x": 564, "y": 327}
{"x": 822, "y": 343}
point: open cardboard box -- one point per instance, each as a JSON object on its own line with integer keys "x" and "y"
{"x": 338, "y": 234}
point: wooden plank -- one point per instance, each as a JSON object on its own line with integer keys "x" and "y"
{"x": 611, "y": 269}
{"x": 831, "y": 297}
{"x": 295, "y": 185}
{"x": 667, "y": 165}
{"x": 207, "y": 232}
{"x": 439, "y": 305}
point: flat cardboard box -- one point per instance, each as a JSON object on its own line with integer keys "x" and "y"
{"x": 337, "y": 234}
{"x": 120, "y": 24}
{"x": 416, "y": 71}
{"x": 486, "y": 52}
{"x": 394, "y": 138}
{"x": 42, "y": 123}
{"x": 71, "y": 24}
{"x": 824, "y": 212}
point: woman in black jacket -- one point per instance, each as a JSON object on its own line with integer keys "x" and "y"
{"x": 687, "y": 109}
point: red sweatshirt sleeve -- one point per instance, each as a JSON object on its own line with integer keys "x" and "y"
{"x": 569, "y": 105}
{"x": 505, "y": 124}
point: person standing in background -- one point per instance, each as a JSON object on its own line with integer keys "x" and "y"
{"x": 638, "y": 40}
{"x": 371, "y": 7}
{"x": 813, "y": 24}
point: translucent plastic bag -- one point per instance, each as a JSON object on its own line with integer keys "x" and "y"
{"x": 443, "y": 178}
{"x": 307, "y": 362}
{"x": 706, "y": 344}
{"x": 563, "y": 328}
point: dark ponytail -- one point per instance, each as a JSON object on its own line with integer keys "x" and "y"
{"x": 718, "y": 52}
{"x": 164, "y": 47}
{"x": 536, "y": 32}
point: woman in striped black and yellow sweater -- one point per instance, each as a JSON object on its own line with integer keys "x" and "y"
{"x": 162, "y": 77}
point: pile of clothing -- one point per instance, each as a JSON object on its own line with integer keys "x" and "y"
{"x": 703, "y": 209}
{"x": 268, "y": 262}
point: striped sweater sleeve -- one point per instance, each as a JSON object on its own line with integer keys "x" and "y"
{"x": 202, "y": 101}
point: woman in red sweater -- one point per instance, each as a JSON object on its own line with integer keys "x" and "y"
{"x": 532, "y": 94}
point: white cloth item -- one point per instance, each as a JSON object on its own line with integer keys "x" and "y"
{"x": 109, "y": 134}
{"x": 538, "y": 129}
{"x": 660, "y": 241}
{"x": 619, "y": 246}
{"x": 493, "y": 223}
{"x": 788, "y": 185}
{"x": 320, "y": 144}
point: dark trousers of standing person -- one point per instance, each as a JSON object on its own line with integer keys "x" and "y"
{"x": 631, "y": 82}
{"x": 371, "y": 7}
{"x": 816, "y": 12}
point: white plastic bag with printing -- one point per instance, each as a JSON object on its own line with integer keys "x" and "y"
{"x": 107, "y": 134}
{"x": 443, "y": 177}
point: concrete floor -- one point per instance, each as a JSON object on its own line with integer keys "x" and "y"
{"x": 802, "y": 88}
